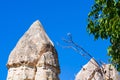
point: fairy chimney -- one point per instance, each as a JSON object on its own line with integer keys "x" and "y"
{"x": 92, "y": 71}
{"x": 34, "y": 57}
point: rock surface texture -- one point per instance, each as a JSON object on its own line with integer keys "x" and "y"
{"x": 34, "y": 57}
{"x": 92, "y": 71}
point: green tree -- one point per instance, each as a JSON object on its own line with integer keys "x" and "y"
{"x": 104, "y": 22}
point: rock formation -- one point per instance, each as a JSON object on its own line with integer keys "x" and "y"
{"x": 92, "y": 71}
{"x": 34, "y": 57}
{"x": 110, "y": 73}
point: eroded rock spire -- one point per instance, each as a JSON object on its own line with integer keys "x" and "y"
{"x": 92, "y": 71}
{"x": 34, "y": 57}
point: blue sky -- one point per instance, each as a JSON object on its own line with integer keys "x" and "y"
{"x": 58, "y": 17}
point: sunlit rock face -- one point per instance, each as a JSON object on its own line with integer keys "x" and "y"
{"x": 34, "y": 57}
{"x": 110, "y": 72}
{"x": 92, "y": 71}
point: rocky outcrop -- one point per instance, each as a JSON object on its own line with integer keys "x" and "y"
{"x": 34, "y": 57}
{"x": 92, "y": 71}
{"x": 110, "y": 73}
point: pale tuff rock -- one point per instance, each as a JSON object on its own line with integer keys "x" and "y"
{"x": 92, "y": 71}
{"x": 88, "y": 71}
{"x": 110, "y": 72}
{"x": 34, "y": 57}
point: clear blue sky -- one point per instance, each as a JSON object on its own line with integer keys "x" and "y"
{"x": 58, "y": 18}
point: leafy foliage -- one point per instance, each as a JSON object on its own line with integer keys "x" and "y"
{"x": 104, "y": 22}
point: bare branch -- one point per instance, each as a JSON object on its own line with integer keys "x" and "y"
{"x": 77, "y": 48}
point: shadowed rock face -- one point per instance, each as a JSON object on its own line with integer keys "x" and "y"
{"x": 92, "y": 71}
{"x": 34, "y": 57}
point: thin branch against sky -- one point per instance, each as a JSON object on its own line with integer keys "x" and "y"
{"x": 79, "y": 49}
